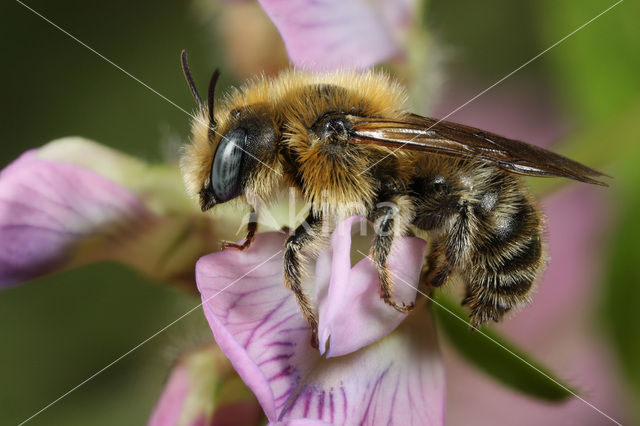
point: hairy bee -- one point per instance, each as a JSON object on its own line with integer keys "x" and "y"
{"x": 344, "y": 141}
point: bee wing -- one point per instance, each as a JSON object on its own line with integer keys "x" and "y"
{"x": 414, "y": 132}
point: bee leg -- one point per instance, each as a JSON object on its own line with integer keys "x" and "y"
{"x": 438, "y": 267}
{"x": 305, "y": 234}
{"x": 385, "y": 233}
{"x": 285, "y": 229}
{"x": 252, "y": 227}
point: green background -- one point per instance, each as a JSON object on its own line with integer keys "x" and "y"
{"x": 57, "y": 331}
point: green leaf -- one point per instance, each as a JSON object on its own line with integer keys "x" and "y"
{"x": 621, "y": 292}
{"x": 495, "y": 356}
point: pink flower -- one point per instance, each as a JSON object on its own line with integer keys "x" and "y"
{"x": 48, "y": 209}
{"x": 331, "y": 34}
{"x": 203, "y": 390}
{"x": 74, "y": 202}
{"x": 375, "y": 365}
{"x": 377, "y": 368}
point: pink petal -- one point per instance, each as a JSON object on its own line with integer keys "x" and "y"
{"x": 256, "y": 323}
{"x": 204, "y": 391}
{"x": 352, "y": 313}
{"x": 171, "y": 403}
{"x": 47, "y": 207}
{"x": 333, "y": 34}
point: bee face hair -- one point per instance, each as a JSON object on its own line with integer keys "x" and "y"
{"x": 286, "y": 108}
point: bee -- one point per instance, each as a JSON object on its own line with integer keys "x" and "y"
{"x": 344, "y": 141}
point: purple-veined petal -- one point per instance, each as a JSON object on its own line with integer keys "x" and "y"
{"x": 333, "y": 34}
{"x": 351, "y": 312}
{"x": 255, "y": 320}
{"x": 47, "y": 207}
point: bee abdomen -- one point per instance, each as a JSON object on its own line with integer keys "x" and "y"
{"x": 512, "y": 274}
{"x": 505, "y": 263}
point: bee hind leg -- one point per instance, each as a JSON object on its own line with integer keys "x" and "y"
{"x": 437, "y": 270}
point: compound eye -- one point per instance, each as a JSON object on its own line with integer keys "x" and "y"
{"x": 225, "y": 172}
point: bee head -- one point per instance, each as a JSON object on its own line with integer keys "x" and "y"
{"x": 226, "y": 160}
{"x": 242, "y": 156}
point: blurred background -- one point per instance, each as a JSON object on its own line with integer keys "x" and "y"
{"x": 581, "y": 97}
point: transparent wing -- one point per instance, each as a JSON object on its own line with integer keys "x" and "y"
{"x": 414, "y": 132}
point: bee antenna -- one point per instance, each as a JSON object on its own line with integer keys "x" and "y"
{"x": 211, "y": 95}
{"x": 190, "y": 82}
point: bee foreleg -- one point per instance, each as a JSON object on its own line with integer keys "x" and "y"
{"x": 386, "y": 220}
{"x": 304, "y": 234}
{"x": 252, "y": 227}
